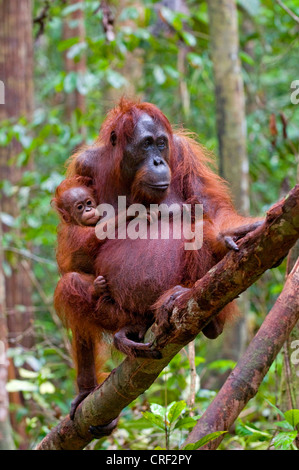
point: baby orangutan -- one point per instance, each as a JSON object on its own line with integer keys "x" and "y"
{"x": 76, "y": 204}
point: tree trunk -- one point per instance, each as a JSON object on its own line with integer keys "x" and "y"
{"x": 231, "y": 130}
{"x": 74, "y": 27}
{"x": 16, "y": 72}
{"x": 6, "y": 442}
{"x": 230, "y": 101}
{"x": 132, "y": 69}
{"x": 16, "y": 68}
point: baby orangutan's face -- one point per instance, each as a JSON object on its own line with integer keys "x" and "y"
{"x": 81, "y": 205}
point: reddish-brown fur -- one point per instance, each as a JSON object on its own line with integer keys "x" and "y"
{"x": 138, "y": 272}
{"x": 72, "y": 237}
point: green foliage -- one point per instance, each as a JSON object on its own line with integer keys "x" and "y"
{"x": 279, "y": 435}
{"x": 167, "y": 420}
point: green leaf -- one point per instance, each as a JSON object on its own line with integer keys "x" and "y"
{"x": 159, "y": 75}
{"x": 204, "y": 440}
{"x": 7, "y": 219}
{"x": 189, "y": 39}
{"x": 86, "y": 82}
{"x": 185, "y": 423}
{"x": 171, "y": 72}
{"x": 246, "y": 58}
{"x": 71, "y": 8}
{"x": 76, "y": 50}
{"x": 172, "y": 18}
{"x": 199, "y": 360}
{"x": 242, "y": 429}
{"x": 154, "y": 419}
{"x": 3, "y": 138}
{"x": 47, "y": 387}
{"x": 175, "y": 410}
{"x": 276, "y": 409}
{"x": 67, "y": 43}
{"x": 70, "y": 81}
{"x": 194, "y": 59}
{"x": 129, "y": 13}
{"x": 222, "y": 365}
{"x": 27, "y": 374}
{"x": 254, "y": 431}
{"x": 8, "y": 188}
{"x": 20, "y": 386}
{"x": 141, "y": 33}
{"x": 283, "y": 440}
{"x": 251, "y": 7}
{"x": 158, "y": 410}
{"x": 292, "y": 417}
{"x": 33, "y": 221}
{"x": 52, "y": 182}
{"x": 25, "y": 140}
{"x": 202, "y": 13}
{"x": 284, "y": 425}
{"x": 115, "y": 79}
{"x": 6, "y": 269}
{"x": 22, "y": 159}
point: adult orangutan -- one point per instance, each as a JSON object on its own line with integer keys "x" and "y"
{"x": 137, "y": 155}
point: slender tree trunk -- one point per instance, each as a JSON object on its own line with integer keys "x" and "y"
{"x": 16, "y": 68}
{"x": 230, "y": 101}
{"x": 231, "y": 130}
{"x": 6, "y": 442}
{"x": 132, "y": 69}
{"x": 16, "y": 72}
{"x": 74, "y": 27}
{"x": 177, "y": 6}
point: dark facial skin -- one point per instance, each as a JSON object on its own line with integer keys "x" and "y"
{"x": 81, "y": 205}
{"x": 146, "y": 160}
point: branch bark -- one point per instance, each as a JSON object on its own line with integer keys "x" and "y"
{"x": 244, "y": 381}
{"x": 259, "y": 251}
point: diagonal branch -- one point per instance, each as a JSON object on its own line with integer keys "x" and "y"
{"x": 259, "y": 251}
{"x": 289, "y": 12}
{"x": 244, "y": 381}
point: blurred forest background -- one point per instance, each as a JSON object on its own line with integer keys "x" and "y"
{"x": 224, "y": 70}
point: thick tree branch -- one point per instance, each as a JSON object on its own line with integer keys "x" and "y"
{"x": 259, "y": 251}
{"x": 244, "y": 381}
